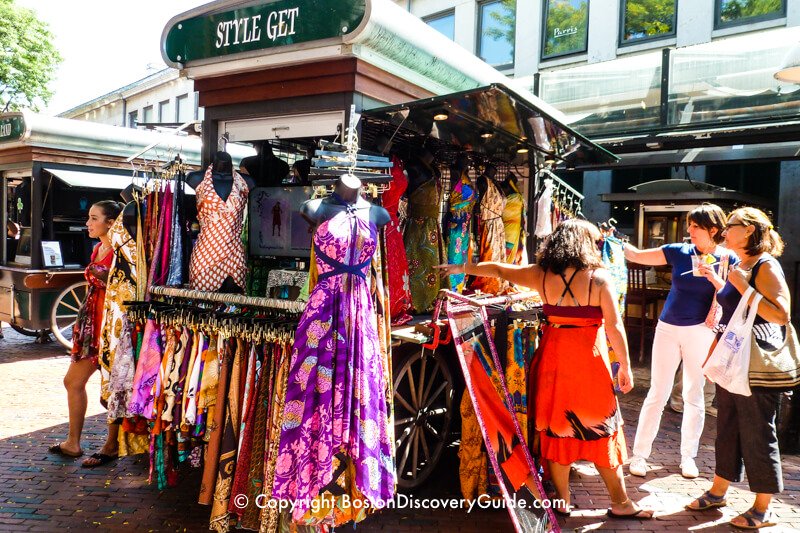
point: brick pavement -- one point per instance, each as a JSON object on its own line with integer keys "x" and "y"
{"x": 42, "y": 492}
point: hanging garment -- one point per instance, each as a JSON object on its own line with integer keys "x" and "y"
{"x": 335, "y": 397}
{"x": 514, "y": 226}
{"x": 117, "y": 365}
{"x": 473, "y": 466}
{"x": 544, "y": 211}
{"x": 493, "y": 236}
{"x": 88, "y": 325}
{"x": 159, "y": 266}
{"x": 423, "y": 244}
{"x": 459, "y": 228}
{"x": 576, "y": 412}
{"x": 614, "y": 260}
{"x": 219, "y": 251}
{"x": 397, "y": 262}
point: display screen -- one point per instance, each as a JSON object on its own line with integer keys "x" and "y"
{"x": 276, "y": 226}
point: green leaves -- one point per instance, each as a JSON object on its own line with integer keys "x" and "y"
{"x": 28, "y": 59}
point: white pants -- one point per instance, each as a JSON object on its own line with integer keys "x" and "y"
{"x": 671, "y": 345}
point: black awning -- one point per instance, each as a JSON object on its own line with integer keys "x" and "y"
{"x": 492, "y": 120}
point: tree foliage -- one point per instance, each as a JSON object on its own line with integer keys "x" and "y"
{"x": 567, "y": 27}
{"x": 28, "y": 59}
{"x": 732, "y": 10}
{"x": 646, "y": 18}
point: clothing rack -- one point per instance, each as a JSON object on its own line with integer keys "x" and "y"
{"x": 291, "y": 306}
{"x": 493, "y": 300}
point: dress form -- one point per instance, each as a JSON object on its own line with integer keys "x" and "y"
{"x": 345, "y": 196}
{"x": 264, "y": 169}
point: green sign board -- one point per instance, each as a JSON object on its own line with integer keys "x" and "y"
{"x": 12, "y": 128}
{"x": 259, "y": 27}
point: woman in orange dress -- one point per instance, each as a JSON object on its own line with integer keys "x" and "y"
{"x": 575, "y": 409}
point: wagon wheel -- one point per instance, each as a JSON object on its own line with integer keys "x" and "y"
{"x": 65, "y": 312}
{"x": 423, "y": 401}
{"x": 25, "y": 331}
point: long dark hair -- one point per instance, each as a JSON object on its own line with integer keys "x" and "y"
{"x": 572, "y": 244}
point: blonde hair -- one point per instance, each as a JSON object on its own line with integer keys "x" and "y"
{"x": 764, "y": 238}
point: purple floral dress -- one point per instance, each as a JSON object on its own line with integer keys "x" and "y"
{"x": 335, "y": 397}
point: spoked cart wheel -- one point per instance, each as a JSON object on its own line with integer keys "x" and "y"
{"x": 423, "y": 403}
{"x": 25, "y": 331}
{"x": 65, "y": 312}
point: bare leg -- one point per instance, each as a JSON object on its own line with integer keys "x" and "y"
{"x": 621, "y": 504}
{"x": 75, "y": 380}
{"x": 559, "y": 474}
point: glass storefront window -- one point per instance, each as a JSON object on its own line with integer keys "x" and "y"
{"x": 566, "y": 24}
{"x": 612, "y": 96}
{"x": 444, "y": 23}
{"x": 497, "y": 32}
{"x": 647, "y": 19}
{"x": 735, "y": 12}
{"x": 731, "y": 80}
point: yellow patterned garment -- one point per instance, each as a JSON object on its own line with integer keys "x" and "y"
{"x": 474, "y": 465}
{"x": 513, "y": 222}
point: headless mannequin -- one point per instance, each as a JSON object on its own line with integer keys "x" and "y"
{"x": 347, "y": 190}
{"x": 489, "y": 173}
{"x": 264, "y": 169}
{"x": 222, "y": 179}
{"x": 130, "y": 215}
{"x": 420, "y": 169}
{"x": 221, "y": 176}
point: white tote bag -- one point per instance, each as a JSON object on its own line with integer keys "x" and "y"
{"x": 729, "y": 363}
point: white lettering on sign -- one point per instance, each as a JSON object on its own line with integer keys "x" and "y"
{"x": 281, "y": 23}
{"x": 5, "y": 130}
{"x": 246, "y": 30}
{"x": 558, "y": 32}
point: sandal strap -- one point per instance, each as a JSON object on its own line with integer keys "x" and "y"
{"x": 708, "y": 496}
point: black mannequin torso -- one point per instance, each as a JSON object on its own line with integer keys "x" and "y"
{"x": 223, "y": 182}
{"x": 509, "y": 185}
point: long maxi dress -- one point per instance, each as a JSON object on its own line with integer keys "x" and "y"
{"x": 423, "y": 241}
{"x": 335, "y": 398}
{"x": 399, "y": 289}
{"x": 459, "y": 235}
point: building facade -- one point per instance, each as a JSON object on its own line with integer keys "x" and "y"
{"x": 164, "y": 97}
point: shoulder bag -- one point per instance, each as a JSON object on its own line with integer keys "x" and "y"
{"x": 779, "y": 368}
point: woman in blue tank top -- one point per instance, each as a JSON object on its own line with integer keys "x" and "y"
{"x": 681, "y": 335}
{"x": 746, "y": 433}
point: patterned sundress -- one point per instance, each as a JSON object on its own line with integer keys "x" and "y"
{"x": 459, "y": 234}
{"x": 423, "y": 244}
{"x": 219, "y": 251}
{"x": 335, "y": 396}
{"x": 89, "y": 323}
{"x": 397, "y": 262}
{"x": 493, "y": 236}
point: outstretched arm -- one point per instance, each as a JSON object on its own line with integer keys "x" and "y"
{"x": 650, "y": 257}
{"x": 527, "y": 276}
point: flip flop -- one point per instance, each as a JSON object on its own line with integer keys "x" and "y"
{"x": 707, "y": 501}
{"x": 638, "y": 515}
{"x": 754, "y": 519}
{"x": 58, "y": 450}
{"x": 102, "y": 458}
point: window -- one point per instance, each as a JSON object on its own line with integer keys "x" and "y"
{"x": 147, "y": 115}
{"x": 185, "y": 108}
{"x": 496, "y": 31}
{"x": 133, "y": 119}
{"x": 644, "y": 20}
{"x": 165, "y": 112}
{"x": 566, "y": 27}
{"x": 736, "y": 12}
{"x": 444, "y": 23}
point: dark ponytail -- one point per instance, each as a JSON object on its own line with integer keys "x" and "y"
{"x": 110, "y": 208}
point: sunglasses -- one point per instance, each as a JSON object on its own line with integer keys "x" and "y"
{"x": 730, "y": 225}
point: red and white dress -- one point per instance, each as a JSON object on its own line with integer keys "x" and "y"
{"x": 219, "y": 251}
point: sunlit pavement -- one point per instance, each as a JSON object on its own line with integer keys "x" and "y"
{"x": 43, "y": 492}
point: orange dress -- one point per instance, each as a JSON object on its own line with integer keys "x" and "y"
{"x": 577, "y": 415}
